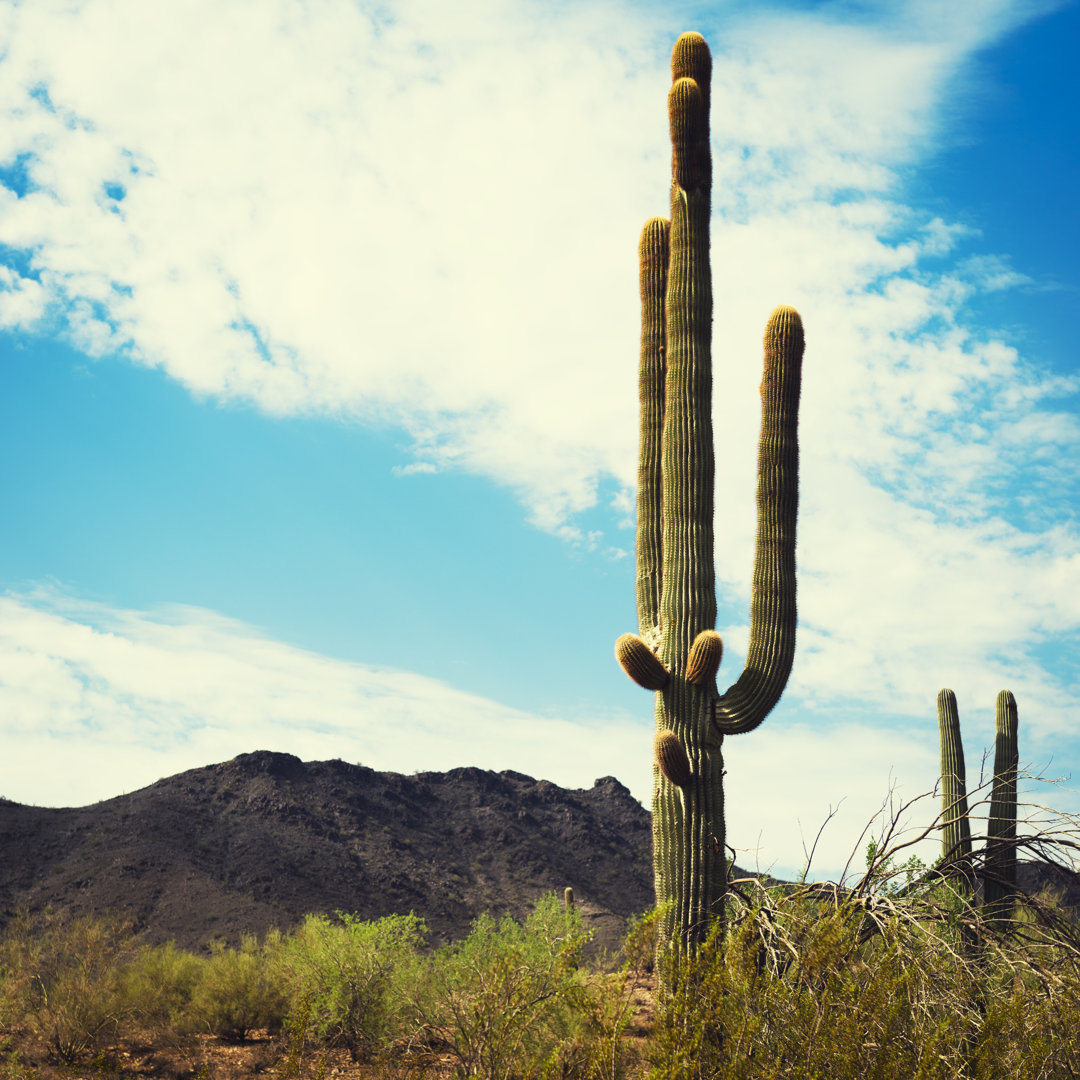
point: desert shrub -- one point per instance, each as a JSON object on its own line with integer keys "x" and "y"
{"x": 510, "y": 1000}
{"x": 158, "y": 985}
{"x": 240, "y": 989}
{"x": 837, "y": 983}
{"x": 605, "y": 1051}
{"x": 63, "y": 979}
{"x": 344, "y": 978}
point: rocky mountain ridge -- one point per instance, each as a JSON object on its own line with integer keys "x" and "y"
{"x": 263, "y": 839}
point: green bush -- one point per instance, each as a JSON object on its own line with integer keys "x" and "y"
{"x": 345, "y": 979}
{"x": 158, "y": 985}
{"x": 510, "y": 1000}
{"x": 63, "y": 979}
{"x": 838, "y": 984}
{"x": 240, "y": 990}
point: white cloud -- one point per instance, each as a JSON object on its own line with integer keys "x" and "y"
{"x": 113, "y": 699}
{"x": 105, "y": 701}
{"x": 431, "y": 217}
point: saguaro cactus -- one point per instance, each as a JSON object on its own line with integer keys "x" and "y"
{"x": 677, "y": 650}
{"x": 956, "y": 829}
{"x": 999, "y": 861}
{"x": 1000, "y": 880}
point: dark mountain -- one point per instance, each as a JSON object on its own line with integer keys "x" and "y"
{"x": 263, "y": 839}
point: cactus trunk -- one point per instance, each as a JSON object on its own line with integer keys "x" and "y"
{"x": 1000, "y": 880}
{"x": 956, "y": 829}
{"x": 676, "y": 601}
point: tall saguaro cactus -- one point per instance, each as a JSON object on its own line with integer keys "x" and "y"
{"x": 999, "y": 862}
{"x": 677, "y": 650}
{"x": 1000, "y": 881}
{"x": 956, "y": 829}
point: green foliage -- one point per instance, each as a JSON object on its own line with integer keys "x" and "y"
{"x": 157, "y": 986}
{"x": 886, "y": 874}
{"x": 900, "y": 976}
{"x": 509, "y": 1001}
{"x": 240, "y": 989}
{"x": 825, "y": 982}
{"x": 345, "y": 976}
{"x": 63, "y": 979}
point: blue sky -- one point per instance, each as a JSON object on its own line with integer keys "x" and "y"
{"x": 318, "y": 342}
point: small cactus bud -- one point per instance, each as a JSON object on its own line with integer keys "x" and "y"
{"x": 704, "y": 659}
{"x": 568, "y": 898}
{"x": 640, "y": 662}
{"x": 671, "y": 758}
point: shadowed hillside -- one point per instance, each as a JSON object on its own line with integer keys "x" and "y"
{"x": 263, "y": 839}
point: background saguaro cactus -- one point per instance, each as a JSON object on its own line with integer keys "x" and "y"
{"x": 999, "y": 861}
{"x": 1000, "y": 880}
{"x": 677, "y": 651}
{"x": 956, "y": 829}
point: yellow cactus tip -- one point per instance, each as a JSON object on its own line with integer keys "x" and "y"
{"x": 654, "y": 237}
{"x": 690, "y": 56}
{"x": 784, "y": 330}
{"x": 671, "y": 758}
{"x": 704, "y": 659}
{"x": 785, "y": 313}
{"x": 640, "y": 662}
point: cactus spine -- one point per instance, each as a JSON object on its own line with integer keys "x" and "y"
{"x": 676, "y": 603}
{"x": 999, "y": 861}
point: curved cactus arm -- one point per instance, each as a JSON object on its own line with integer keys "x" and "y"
{"x": 772, "y": 606}
{"x": 955, "y": 826}
{"x": 1000, "y": 880}
{"x": 641, "y": 663}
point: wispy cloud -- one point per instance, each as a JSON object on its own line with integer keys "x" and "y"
{"x": 149, "y": 693}
{"x": 143, "y": 695}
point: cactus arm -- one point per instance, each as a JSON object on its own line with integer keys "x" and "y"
{"x": 688, "y": 600}
{"x": 956, "y": 828}
{"x": 1000, "y": 880}
{"x": 772, "y": 606}
{"x": 641, "y": 663}
{"x": 652, "y": 270}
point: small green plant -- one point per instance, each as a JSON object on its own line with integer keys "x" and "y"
{"x": 240, "y": 989}
{"x": 888, "y": 875}
{"x": 509, "y": 1000}
{"x": 344, "y": 978}
{"x": 157, "y": 985}
{"x": 63, "y": 979}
